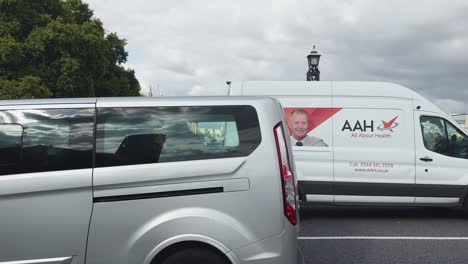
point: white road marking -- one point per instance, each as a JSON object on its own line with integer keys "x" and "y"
{"x": 380, "y": 238}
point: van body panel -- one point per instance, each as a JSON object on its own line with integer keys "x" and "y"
{"x": 314, "y": 162}
{"x": 376, "y": 144}
{"x": 278, "y": 249}
{"x": 370, "y": 89}
{"x": 422, "y": 104}
{"x": 164, "y": 173}
{"x": 290, "y": 88}
{"x": 368, "y": 199}
{"x": 190, "y": 237}
{"x": 142, "y": 230}
{"x": 363, "y": 153}
{"x": 29, "y": 215}
{"x": 227, "y": 185}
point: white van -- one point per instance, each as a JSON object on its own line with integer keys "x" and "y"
{"x": 370, "y": 143}
{"x": 146, "y": 180}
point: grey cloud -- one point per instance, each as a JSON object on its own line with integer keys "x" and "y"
{"x": 199, "y": 45}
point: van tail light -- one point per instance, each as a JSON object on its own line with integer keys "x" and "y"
{"x": 287, "y": 176}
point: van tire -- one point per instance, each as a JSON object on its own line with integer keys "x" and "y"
{"x": 195, "y": 256}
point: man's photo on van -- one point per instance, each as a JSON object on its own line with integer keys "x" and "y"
{"x": 298, "y": 123}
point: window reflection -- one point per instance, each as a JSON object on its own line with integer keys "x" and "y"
{"x": 164, "y": 134}
{"x": 458, "y": 143}
{"x": 442, "y": 137}
{"x": 51, "y": 139}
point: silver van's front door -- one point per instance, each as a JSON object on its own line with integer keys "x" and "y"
{"x": 45, "y": 183}
{"x": 441, "y": 160}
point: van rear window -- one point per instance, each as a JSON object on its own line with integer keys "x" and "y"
{"x": 141, "y": 135}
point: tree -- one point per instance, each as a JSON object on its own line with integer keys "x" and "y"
{"x": 55, "y": 48}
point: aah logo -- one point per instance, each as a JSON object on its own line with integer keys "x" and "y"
{"x": 358, "y": 126}
{"x": 366, "y": 126}
{"x": 390, "y": 125}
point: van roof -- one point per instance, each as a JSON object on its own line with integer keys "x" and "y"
{"x": 279, "y": 89}
{"x": 49, "y": 101}
{"x": 337, "y": 88}
{"x": 122, "y": 100}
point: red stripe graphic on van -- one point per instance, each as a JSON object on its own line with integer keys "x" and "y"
{"x": 316, "y": 115}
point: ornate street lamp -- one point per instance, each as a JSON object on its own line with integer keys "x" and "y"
{"x": 313, "y": 74}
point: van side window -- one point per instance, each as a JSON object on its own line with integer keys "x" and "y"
{"x": 45, "y": 140}
{"x": 458, "y": 142}
{"x": 129, "y": 136}
{"x": 442, "y": 137}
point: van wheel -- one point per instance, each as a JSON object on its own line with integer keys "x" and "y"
{"x": 195, "y": 256}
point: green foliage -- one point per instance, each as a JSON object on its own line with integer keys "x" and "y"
{"x": 55, "y": 48}
{"x": 27, "y": 87}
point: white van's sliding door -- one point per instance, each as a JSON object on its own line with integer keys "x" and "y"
{"x": 373, "y": 150}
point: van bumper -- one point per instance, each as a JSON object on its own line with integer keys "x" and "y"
{"x": 280, "y": 249}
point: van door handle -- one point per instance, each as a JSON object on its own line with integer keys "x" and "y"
{"x": 426, "y": 159}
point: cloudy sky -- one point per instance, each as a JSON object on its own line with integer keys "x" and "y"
{"x": 192, "y": 47}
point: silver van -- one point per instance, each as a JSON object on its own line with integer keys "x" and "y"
{"x": 146, "y": 180}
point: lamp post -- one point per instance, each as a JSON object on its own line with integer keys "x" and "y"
{"x": 313, "y": 74}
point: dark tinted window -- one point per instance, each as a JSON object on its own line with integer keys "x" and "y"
{"x": 457, "y": 142}
{"x": 442, "y": 137}
{"x": 127, "y": 136}
{"x": 45, "y": 140}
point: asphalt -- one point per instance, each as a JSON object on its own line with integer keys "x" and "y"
{"x": 383, "y": 235}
